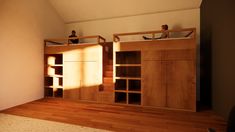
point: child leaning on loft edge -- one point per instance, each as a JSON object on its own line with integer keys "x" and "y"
{"x": 164, "y": 34}
{"x": 74, "y": 41}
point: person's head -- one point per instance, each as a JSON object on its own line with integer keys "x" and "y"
{"x": 165, "y": 27}
{"x": 73, "y": 32}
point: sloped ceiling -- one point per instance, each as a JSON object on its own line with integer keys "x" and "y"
{"x": 87, "y": 10}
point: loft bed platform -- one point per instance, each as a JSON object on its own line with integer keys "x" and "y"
{"x": 95, "y": 39}
{"x": 61, "y": 45}
{"x": 187, "y": 33}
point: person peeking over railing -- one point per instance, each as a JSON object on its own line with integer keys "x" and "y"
{"x": 164, "y": 34}
{"x": 74, "y": 41}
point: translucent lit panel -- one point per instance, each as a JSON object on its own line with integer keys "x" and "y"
{"x": 50, "y": 71}
{"x": 51, "y": 60}
{"x": 90, "y": 77}
{"x": 56, "y": 82}
{"x": 72, "y": 75}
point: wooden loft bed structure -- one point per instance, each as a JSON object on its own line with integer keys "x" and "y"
{"x": 147, "y": 73}
{"x": 73, "y": 71}
{"x": 156, "y": 73}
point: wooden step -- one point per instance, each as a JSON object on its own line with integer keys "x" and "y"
{"x": 110, "y": 62}
{"x": 108, "y": 80}
{"x": 108, "y": 84}
{"x": 109, "y": 67}
{"x": 108, "y": 73}
{"x": 108, "y": 87}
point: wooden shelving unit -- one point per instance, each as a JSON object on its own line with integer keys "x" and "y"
{"x": 53, "y": 81}
{"x": 157, "y": 73}
{"x": 128, "y": 77}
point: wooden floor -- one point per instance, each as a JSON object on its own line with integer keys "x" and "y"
{"x": 119, "y": 118}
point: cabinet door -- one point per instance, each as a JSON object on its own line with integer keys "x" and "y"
{"x": 72, "y": 79}
{"x": 181, "y": 84}
{"x": 81, "y": 80}
{"x": 154, "y": 83}
{"x": 89, "y": 81}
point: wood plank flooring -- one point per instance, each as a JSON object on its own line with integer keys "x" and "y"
{"x": 119, "y": 118}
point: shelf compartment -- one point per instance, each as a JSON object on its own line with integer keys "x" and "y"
{"x": 134, "y": 98}
{"x": 48, "y": 81}
{"x": 121, "y": 97}
{"x": 57, "y": 81}
{"x": 128, "y": 57}
{"x": 120, "y": 84}
{"x": 134, "y": 85}
{"x": 58, "y": 92}
{"x": 48, "y": 92}
{"x": 54, "y": 59}
{"x": 54, "y": 70}
{"x": 128, "y": 71}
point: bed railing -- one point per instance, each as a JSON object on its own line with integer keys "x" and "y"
{"x": 66, "y": 41}
{"x": 189, "y": 32}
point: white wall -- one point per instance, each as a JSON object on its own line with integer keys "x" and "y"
{"x": 24, "y": 25}
{"x": 83, "y": 10}
{"x": 148, "y": 22}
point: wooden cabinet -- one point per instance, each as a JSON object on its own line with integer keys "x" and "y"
{"x": 82, "y": 70}
{"x": 180, "y": 78}
{"x": 169, "y": 79}
{"x": 180, "y": 84}
{"x": 154, "y": 83}
{"x": 168, "y": 72}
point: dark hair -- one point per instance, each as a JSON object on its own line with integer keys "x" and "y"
{"x": 166, "y": 27}
{"x": 73, "y": 31}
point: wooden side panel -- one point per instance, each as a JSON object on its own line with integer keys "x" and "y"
{"x": 181, "y": 85}
{"x": 153, "y": 84}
